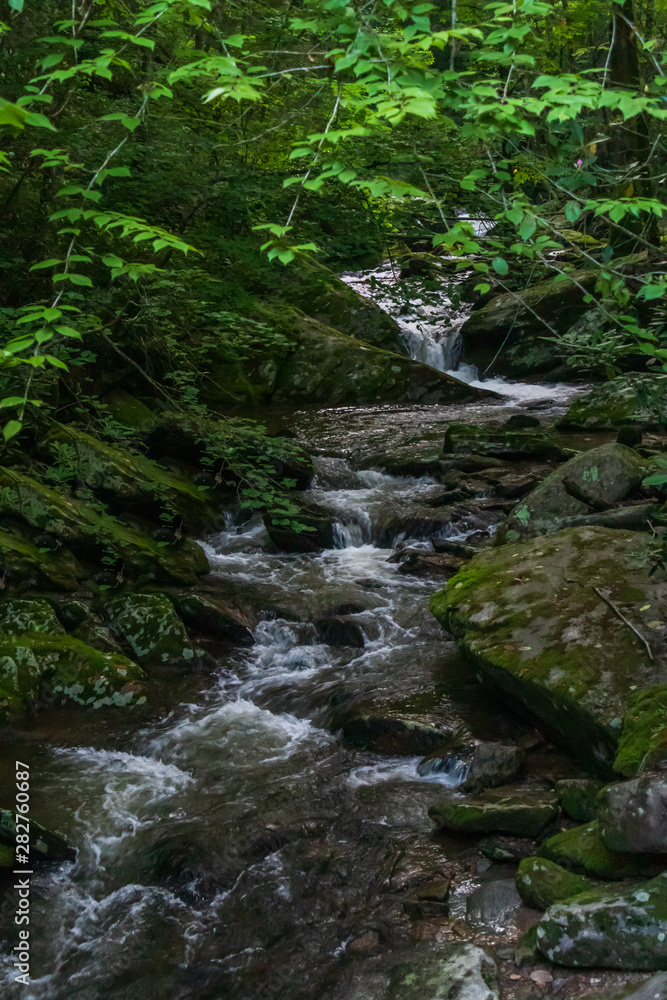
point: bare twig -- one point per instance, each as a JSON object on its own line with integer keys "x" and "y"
{"x": 620, "y": 614}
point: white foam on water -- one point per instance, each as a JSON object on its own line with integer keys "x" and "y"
{"x": 401, "y": 769}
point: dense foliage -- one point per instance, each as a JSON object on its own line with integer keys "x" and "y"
{"x": 162, "y": 161}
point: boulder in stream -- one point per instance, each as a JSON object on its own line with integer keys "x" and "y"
{"x": 541, "y": 883}
{"x": 624, "y": 930}
{"x": 524, "y": 812}
{"x": 153, "y": 630}
{"x": 44, "y": 844}
{"x": 535, "y": 619}
{"x": 602, "y": 476}
{"x": 582, "y": 850}
{"x": 578, "y": 798}
{"x": 634, "y": 399}
{"x": 462, "y": 439}
{"x": 632, "y": 815}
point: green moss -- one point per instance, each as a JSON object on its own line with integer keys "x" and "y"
{"x": 541, "y": 883}
{"x": 73, "y": 671}
{"x": 18, "y": 616}
{"x": 578, "y": 798}
{"x": 521, "y": 812}
{"x": 6, "y": 856}
{"x": 132, "y": 479}
{"x": 643, "y": 742}
{"x": 23, "y": 562}
{"x": 581, "y": 850}
{"x": 129, "y": 411}
{"x": 153, "y": 630}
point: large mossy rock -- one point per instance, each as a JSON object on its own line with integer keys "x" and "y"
{"x": 319, "y": 293}
{"x": 530, "y": 620}
{"x": 627, "y": 930}
{"x": 332, "y": 369}
{"x": 541, "y": 883}
{"x": 212, "y": 618}
{"x": 151, "y": 627}
{"x": 520, "y": 811}
{"x": 605, "y": 474}
{"x": 632, "y": 815}
{"x": 631, "y": 400}
{"x": 21, "y": 562}
{"x": 519, "y": 321}
{"x": 582, "y": 850}
{"x": 129, "y": 481}
{"x": 52, "y": 669}
{"x": 18, "y": 615}
{"x": 91, "y": 534}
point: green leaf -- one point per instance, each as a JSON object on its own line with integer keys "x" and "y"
{"x": 11, "y": 429}
{"x": 81, "y": 279}
{"x": 500, "y": 265}
{"x": 45, "y": 263}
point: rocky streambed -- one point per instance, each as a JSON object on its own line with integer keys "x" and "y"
{"x": 319, "y": 791}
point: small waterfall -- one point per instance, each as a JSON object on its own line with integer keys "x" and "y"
{"x": 430, "y": 324}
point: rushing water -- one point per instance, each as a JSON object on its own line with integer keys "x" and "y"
{"x": 232, "y": 846}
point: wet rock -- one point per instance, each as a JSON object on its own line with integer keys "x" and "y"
{"x": 212, "y": 618}
{"x": 428, "y": 900}
{"x": 503, "y": 848}
{"x": 605, "y": 474}
{"x": 42, "y": 669}
{"x": 582, "y": 850}
{"x": 311, "y": 529}
{"x": 340, "y": 631}
{"x": 632, "y": 815}
{"x": 454, "y": 548}
{"x": 23, "y": 562}
{"x": 631, "y": 401}
{"x": 521, "y": 421}
{"x": 541, "y": 883}
{"x": 425, "y": 564}
{"x": 494, "y": 905}
{"x": 153, "y": 630}
{"x": 391, "y": 732}
{"x": 20, "y": 615}
{"x": 522, "y": 812}
{"x": 492, "y": 764}
{"x": 129, "y": 411}
{"x": 631, "y": 517}
{"x": 506, "y": 444}
{"x": 529, "y": 619}
{"x": 44, "y": 845}
{"x": 578, "y": 798}
{"x": 627, "y": 930}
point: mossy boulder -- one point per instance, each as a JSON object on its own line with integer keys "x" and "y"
{"x": 92, "y": 534}
{"x": 631, "y": 400}
{"x": 462, "y": 439}
{"x": 582, "y": 850}
{"x": 51, "y": 669}
{"x": 632, "y": 815}
{"x": 317, "y": 291}
{"x": 19, "y": 615}
{"x": 153, "y": 630}
{"x": 129, "y": 481}
{"x": 332, "y": 369}
{"x": 23, "y": 563}
{"x": 626, "y": 930}
{"x": 520, "y": 811}
{"x": 530, "y": 620}
{"x": 605, "y": 474}
{"x": 541, "y": 883}
{"x": 44, "y": 844}
{"x": 578, "y": 798}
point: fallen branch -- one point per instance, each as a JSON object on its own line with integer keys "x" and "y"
{"x": 620, "y": 614}
{"x": 577, "y": 491}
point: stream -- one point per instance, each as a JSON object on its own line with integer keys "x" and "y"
{"x": 231, "y": 846}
